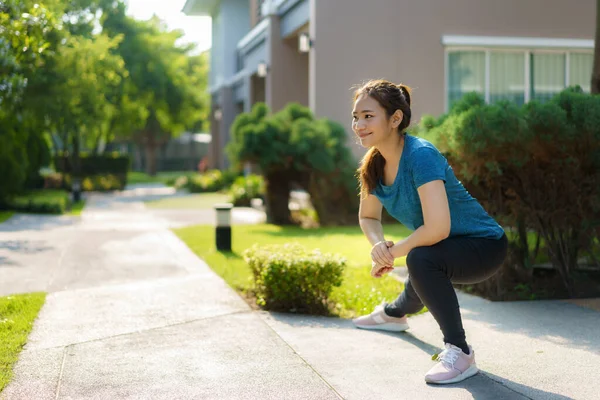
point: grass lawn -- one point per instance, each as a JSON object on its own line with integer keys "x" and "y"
{"x": 161, "y": 177}
{"x": 193, "y": 201}
{"x": 4, "y": 215}
{"x": 359, "y": 292}
{"x": 76, "y": 208}
{"x": 17, "y": 313}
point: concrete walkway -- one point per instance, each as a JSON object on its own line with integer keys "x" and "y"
{"x": 132, "y": 313}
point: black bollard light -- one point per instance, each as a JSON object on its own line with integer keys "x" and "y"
{"x": 223, "y": 230}
{"x": 76, "y": 189}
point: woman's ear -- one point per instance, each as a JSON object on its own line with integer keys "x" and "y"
{"x": 397, "y": 118}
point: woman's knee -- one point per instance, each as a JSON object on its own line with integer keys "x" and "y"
{"x": 420, "y": 259}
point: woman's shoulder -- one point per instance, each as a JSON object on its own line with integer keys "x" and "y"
{"x": 418, "y": 145}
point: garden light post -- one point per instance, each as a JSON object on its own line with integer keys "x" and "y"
{"x": 76, "y": 189}
{"x": 223, "y": 229}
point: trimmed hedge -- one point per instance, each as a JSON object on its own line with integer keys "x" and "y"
{"x": 94, "y": 164}
{"x": 99, "y": 172}
{"x": 290, "y": 278}
{"x": 40, "y": 202}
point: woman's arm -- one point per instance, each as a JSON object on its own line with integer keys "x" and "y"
{"x": 436, "y": 219}
{"x": 369, "y": 218}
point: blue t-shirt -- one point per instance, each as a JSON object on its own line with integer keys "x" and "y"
{"x": 421, "y": 163}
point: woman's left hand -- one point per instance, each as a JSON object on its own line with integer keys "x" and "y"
{"x": 378, "y": 270}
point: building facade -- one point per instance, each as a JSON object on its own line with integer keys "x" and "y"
{"x": 313, "y": 52}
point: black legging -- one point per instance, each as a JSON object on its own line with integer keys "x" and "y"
{"x": 433, "y": 269}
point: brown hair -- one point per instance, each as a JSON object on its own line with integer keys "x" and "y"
{"x": 391, "y": 97}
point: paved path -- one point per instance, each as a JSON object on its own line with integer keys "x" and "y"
{"x": 132, "y": 313}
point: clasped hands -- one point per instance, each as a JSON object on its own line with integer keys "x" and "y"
{"x": 382, "y": 259}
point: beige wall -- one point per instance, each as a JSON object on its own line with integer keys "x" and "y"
{"x": 220, "y": 129}
{"x": 287, "y": 79}
{"x": 253, "y": 13}
{"x": 400, "y": 40}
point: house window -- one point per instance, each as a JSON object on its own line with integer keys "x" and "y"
{"x": 507, "y": 77}
{"x": 515, "y": 75}
{"x": 466, "y": 73}
{"x": 580, "y": 70}
{"x": 547, "y": 75}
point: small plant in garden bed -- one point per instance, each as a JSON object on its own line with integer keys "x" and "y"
{"x": 211, "y": 181}
{"x": 244, "y": 189}
{"x": 290, "y": 278}
{"x": 358, "y": 294}
{"x": 97, "y": 183}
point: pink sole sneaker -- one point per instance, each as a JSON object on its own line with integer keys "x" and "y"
{"x": 379, "y": 320}
{"x": 453, "y": 366}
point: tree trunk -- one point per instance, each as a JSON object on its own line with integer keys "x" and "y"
{"x": 564, "y": 258}
{"x": 150, "y": 149}
{"x": 192, "y": 166}
{"x": 278, "y": 198}
{"x": 333, "y": 202}
{"x": 596, "y": 68}
{"x": 76, "y": 156}
{"x": 97, "y": 143}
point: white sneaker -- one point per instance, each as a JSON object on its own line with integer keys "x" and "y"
{"x": 453, "y": 366}
{"x": 379, "y": 320}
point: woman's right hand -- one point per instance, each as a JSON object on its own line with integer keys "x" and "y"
{"x": 381, "y": 254}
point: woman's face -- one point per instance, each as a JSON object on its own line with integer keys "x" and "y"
{"x": 370, "y": 122}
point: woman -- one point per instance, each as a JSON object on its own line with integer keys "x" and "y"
{"x": 454, "y": 239}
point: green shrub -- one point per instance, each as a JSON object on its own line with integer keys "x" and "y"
{"x": 245, "y": 189}
{"x": 40, "y": 202}
{"x": 290, "y": 278}
{"x": 535, "y": 168}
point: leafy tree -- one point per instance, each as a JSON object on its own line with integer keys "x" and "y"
{"x": 292, "y": 147}
{"x": 167, "y": 83}
{"x": 27, "y": 31}
{"x": 86, "y": 75}
{"x": 62, "y": 75}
